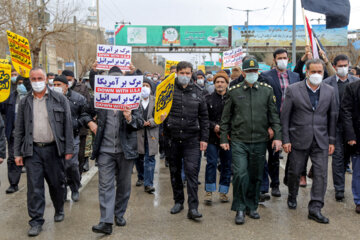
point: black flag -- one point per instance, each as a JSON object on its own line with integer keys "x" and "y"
{"x": 337, "y": 12}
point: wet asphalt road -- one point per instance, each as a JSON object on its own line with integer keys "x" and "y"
{"x": 148, "y": 215}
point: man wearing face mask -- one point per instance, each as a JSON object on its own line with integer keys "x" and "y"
{"x": 279, "y": 79}
{"x": 10, "y": 108}
{"x": 43, "y": 138}
{"x": 50, "y": 80}
{"x": 79, "y": 119}
{"x": 147, "y": 138}
{"x": 187, "y": 127}
{"x": 339, "y": 82}
{"x": 14, "y": 75}
{"x": 248, "y": 113}
{"x": 308, "y": 117}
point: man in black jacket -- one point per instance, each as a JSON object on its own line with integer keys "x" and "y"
{"x": 2, "y": 141}
{"x": 79, "y": 119}
{"x": 215, "y": 103}
{"x": 187, "y": 127}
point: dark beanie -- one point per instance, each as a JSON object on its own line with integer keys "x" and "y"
{"x": 200, "y": 72}
{"x": 61, "y": 78}
{"x": 115, "y": 69}
{"x": 68, "y": 73}
{"x": 151, "y": 83}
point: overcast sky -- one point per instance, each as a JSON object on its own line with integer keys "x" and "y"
{"x": 205, "y": 12}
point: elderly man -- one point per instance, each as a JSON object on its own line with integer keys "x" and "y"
{"x": 308, "y": 118}
{"x": 43, "y": 137}
{"x": 248, "y": 113}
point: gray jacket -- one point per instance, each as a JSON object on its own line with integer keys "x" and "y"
{"x": 60, "y": 122}
{"x": 2, "y": 139}
{"x": 152, "y": 132}
{"x": 301, "y": 124}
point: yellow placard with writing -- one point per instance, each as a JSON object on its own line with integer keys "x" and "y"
{"x": 202, "y": 68}
{"x": 164, "y": 98}
{"x": 20, "y": 53}
{"x": 5, "y": 79}
{"x": 168, "y": 64}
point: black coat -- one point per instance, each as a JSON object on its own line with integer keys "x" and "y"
{"x": 2, "y": 139}
{"x": 350, "y": 114}
{"x": 215, "y": 104}
{"x": 8, "y": 109}
{"x": 188, "y": 117}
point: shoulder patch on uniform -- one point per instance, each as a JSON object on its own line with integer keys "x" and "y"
{"x": 274, "y": 98}
{"x": 235, "y": 86}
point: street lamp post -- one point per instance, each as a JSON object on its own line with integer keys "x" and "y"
{"x": 247, "y": 34}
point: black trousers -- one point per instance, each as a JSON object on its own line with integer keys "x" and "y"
{"x": 319, "y": 160}
{"x": 81, "y": 154}
{"x": 189, "y": 152}
{"x": 44, "y": 164}
{"x": 273, "y": 166}
{"x": 14, "y": 172}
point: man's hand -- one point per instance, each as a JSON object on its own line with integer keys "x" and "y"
{"x": 93, "y": 127}
{"x": 19, "y": 161}
{"x": 203, "y": 146}
{"x": 163, "y": 117}
{"x": 225, "y": 146}
{"x": 146, "y": 123}
{"x": 68, "y": 156}
{"x": 127, "y": 114}
{"x": 287, "y": 147}
{"x": 217, "y": 128}
{"x": 94, "y": 66}
{"x": 271, "y": 133}
{"x": 1, "y": 160}
{"x": 132, "y": 68}
{"x": 331, "y": 149}
{"x": 323, "y": 56}
{"x": 352, "y": 142}
{"x": 277, "y": 145}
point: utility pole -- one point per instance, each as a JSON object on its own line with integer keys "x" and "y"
{"x": 76, "y": 48}
{"x": 294, "y": 35}
{"x": 247, "y": 34}
{"x": 98, "y": 35}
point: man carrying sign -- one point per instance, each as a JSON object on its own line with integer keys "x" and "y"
{"x": 187, "y": 127}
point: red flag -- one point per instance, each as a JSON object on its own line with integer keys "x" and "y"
{"x": 312, "y": 39}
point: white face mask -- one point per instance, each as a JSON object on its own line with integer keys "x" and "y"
{"x": 342, "y": 71}
{"x": 51, "y": 81}
{"x": 282, "y": 64}
{"x": 38, "y": 86}
{"x": 316, "y": 79}
{"x": 58, "y": 89}
{"x": 145, "y": 92}
{"x": 251, "y": 77}
{"x": 183, "y": 80}
{"x": 70, "y": 84}
{"x": 200, "y": 82}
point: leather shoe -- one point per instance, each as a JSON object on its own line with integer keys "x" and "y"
{"x": 264, "y": 197}
{"x": 12, "y": 189}
{"x": 75, "y": 196}
{"x": 59, "y": 217}
{"x": 105, "y": 228}
{"x": 139, "y": 183}
{"x": 240, "y": 217}
{"x": 149, "y": 189}
{"x": 193, "y": 214}
{"x": 318, "y": 217}
{"x": 357, "y": 209}
{"x": 34, "y": 230}
{"x": 253, "y": 214}
{"x": 339, "y": 196}
{"x": 292, "y": 204}
{"x": 275, "y": 191}
{"x": 120, "y": 221}
{"x": 176, "y": 208}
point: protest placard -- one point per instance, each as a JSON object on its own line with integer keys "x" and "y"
{"x": 164, "y": 98}
{"x": 117, "y": 92}
{"x": 109, "y": 56}
{"x": 233, "y": 57}
{"x": 168, "y": 64}
{"x": 20, "y": 53}
{"x": 5, "y": 79}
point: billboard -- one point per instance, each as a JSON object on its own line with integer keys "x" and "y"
{"x": 165, "y": 36}
{"x": 281, "y": 35}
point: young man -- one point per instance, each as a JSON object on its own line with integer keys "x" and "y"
{"x": 248, "y": 113}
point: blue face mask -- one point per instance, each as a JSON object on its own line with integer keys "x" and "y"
{"x": 13, "y": 79}
{"x": 251, "y": 77}
{"x": 21, "y": 89}
{"x": 210, "y": 83}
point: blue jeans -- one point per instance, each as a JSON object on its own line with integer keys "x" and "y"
{"x": 212, "y": 154}
{"x": 149, "y": 166}
{"x": 356, "y": 178}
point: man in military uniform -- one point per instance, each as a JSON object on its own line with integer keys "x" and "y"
{"x": 248, "y": 113}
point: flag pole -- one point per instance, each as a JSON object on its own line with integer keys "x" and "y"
{"x": 305, "y": 27}
{"x": 294, "y": 35}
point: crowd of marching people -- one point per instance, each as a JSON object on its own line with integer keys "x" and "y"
{"x": 242, "y": 122}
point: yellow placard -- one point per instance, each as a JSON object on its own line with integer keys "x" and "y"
{"x": 5, "y": 79}
{"x": 20, "y": 53}
{"x": 202, "y": 68}
{"x": 168, "y": 64}
{"x": 164, "y": 98}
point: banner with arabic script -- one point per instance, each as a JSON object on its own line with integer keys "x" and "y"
{"x": 164, "y": 98}
{"x": 5, "y": 79}
{"x": 233, "y": 57}
{"x": 20, "y": 53}
{"x": 117, "y": 92}
{"x": 109, "y": 56}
